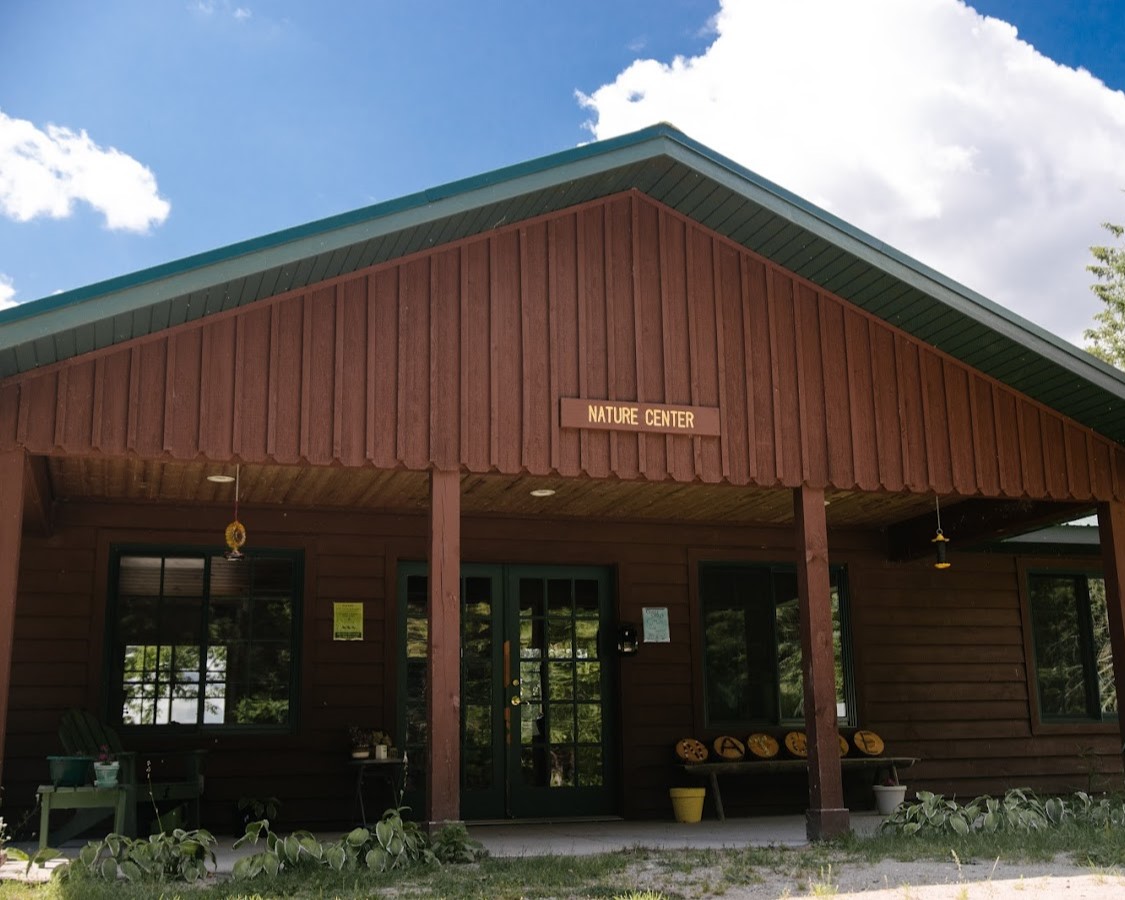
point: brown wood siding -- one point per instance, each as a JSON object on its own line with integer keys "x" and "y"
{"x": 459, "y": 355}
{"x": 942, "y": 674}
{"x": 939, "y": 656}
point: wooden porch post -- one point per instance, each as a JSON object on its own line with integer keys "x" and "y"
{"x": 1111, "y": 529}
{"x": 826, "y": 816}
{"x": 12, "y": 466}
{"x": 443, "y": 681}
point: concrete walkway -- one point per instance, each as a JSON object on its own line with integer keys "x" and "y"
{"x": 586, "y": 838}
{"x": 565, "y": 838}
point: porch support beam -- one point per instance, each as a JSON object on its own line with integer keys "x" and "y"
{"x": 12, "y": 467}
{"x": 1111, "y": 528}
{"x": 826, "y": 817}
{"x": 443, "y": 682}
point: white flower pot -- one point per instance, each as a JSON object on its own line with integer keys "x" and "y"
{"x": 105, "y": 774}
{"x": 888, "y": 797}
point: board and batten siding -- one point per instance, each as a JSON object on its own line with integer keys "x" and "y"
{"x": 457, "y": 357}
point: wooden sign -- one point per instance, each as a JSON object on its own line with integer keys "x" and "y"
{"x": 797, "y": 744}
{"x": 868, "y": 743}
{"x": 691, "y": 751}
{"x": 729, "y": 748}
{"x": 763, "y": 746}
{"x": 657, "y": 418}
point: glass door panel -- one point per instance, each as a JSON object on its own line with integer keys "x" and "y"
{"x": 483, "y": 717}
{"x": 564, "y": 754}
{"x": 534, "y": 690}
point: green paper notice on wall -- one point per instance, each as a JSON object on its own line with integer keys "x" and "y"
{"x": 347, "y": 621}
{"x": 655, "y": 621}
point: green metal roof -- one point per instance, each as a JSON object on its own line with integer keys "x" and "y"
{"x": 660, "y": 161}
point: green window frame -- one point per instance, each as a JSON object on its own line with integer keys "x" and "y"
{"x": 199, "y": 642}
{"x": 1070, "y": 636}
{"x": 752, "y": 673}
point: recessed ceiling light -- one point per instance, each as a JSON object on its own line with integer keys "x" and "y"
{"x": 221, "y": 479}
{"x": 543, "y": 492}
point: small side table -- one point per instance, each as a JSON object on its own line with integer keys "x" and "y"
{"x": 391, "y": 771}
{"x": 84, "y": 797}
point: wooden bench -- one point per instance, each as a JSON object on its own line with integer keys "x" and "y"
{"x": 86, "y": 796}
{"x": 890, "y": 764}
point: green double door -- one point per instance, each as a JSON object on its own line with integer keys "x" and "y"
{"x": 536, "y": 716}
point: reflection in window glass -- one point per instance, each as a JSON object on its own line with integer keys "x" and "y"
{"x": 204, "y": 641}
{"x": 1073, "y": 657}
{"x": 752, "y": 645}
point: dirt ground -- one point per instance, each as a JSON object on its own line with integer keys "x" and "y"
{"x": 916, "y": 880}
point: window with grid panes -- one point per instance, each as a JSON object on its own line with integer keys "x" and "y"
{"x": 200, "y": 640}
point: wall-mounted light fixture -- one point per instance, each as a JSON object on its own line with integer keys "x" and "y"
{"x": 627, "y": 639}
{"x": 940, "y": 540}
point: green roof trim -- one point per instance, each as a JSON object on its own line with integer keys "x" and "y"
{"x": 659, "y": 161}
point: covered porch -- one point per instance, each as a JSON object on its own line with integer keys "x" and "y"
{"x": 657, "y": 384}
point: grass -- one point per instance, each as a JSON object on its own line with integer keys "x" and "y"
{"x": 635, "y": 874}
{"x": 1083, "y": 845}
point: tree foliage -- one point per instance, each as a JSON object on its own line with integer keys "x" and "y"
{"x": 1106, "y": 340}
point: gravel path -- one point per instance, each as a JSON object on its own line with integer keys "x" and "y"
{"x": 916, "y": 880}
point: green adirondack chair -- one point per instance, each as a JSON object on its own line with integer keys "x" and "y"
{"x": 162, "y": 778}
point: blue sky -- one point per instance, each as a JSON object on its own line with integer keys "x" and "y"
{"x": 255, "y": 115}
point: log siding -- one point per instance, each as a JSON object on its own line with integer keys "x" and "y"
{"x": 939, "y": 657}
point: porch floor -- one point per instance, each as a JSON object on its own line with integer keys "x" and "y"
{"x": 586, "y": 838}
{"x": 562, "y": 838}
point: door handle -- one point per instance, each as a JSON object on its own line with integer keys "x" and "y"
{"x": 516, "y": 700}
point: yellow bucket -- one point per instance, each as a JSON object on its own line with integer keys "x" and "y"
{"x": 687, "y": 803}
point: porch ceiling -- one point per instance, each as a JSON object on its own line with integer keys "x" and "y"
{"x": 306, "y": 487}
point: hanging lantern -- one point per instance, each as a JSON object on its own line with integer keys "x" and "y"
{"x": 940, "y": 541}
{"x": 235, "y": 534}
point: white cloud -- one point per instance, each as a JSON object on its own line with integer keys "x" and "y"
{"x": 42, "y": 173}
{"x": 209, "y": 7}
{"x": 7, "y": 292}
{"x": 926, "y": 124}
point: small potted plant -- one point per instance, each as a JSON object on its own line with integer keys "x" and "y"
{"x": 381, "y": 741}
{"x": 361, "y": 741}
{"x": 888, "y": 795}
{"x": 106, "y": 767}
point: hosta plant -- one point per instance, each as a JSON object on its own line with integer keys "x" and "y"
{"x": 1019, "y": 810}
{"x": 177, "y": 856}
{"x": 393, "y": 844}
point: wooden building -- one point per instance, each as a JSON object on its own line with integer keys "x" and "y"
{"x": 628, "y": 385}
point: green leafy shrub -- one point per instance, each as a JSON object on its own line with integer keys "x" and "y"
{"x": 452, "y": 844}
{"x": 259, "y": 807}
{"x": 1019, "y": 810}
{"x": 393, "y": 844}
{"x": 176, "y": 856}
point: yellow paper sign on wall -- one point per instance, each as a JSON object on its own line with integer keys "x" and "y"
{"x": 347, "y": 621}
